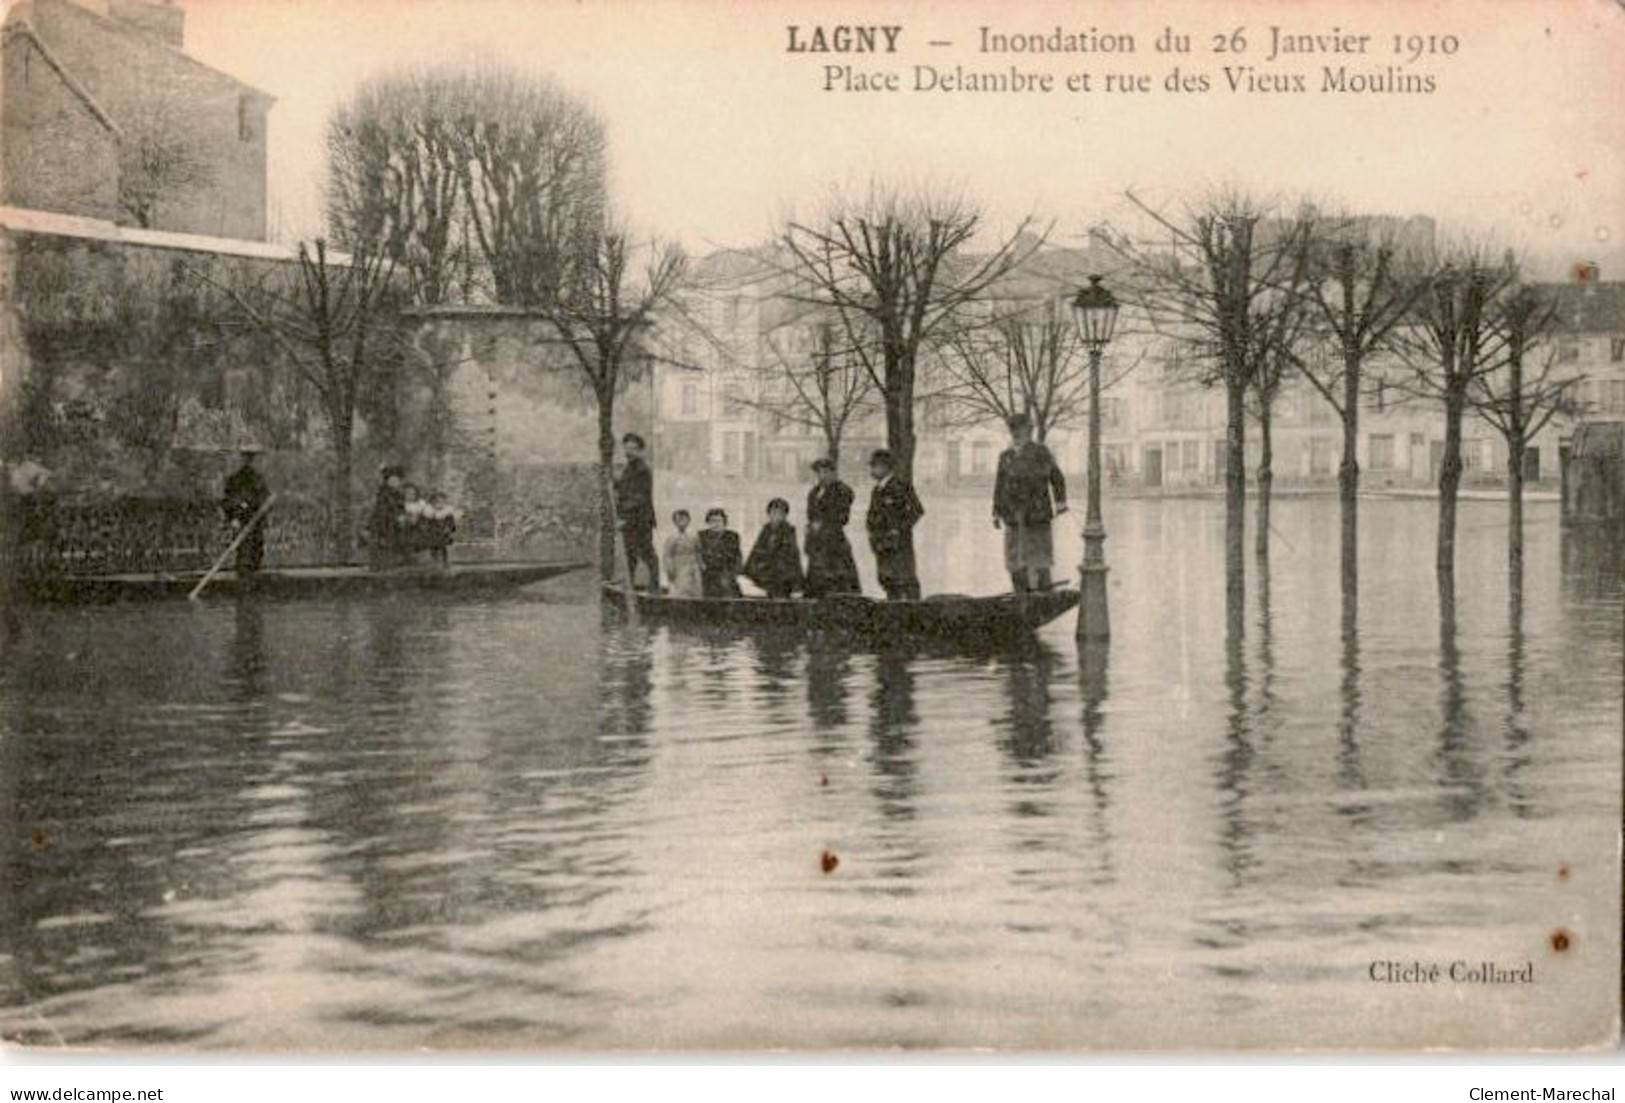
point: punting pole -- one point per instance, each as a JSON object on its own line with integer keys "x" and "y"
{"x": 231, "y": 547}
{"x": 621, "y": 560}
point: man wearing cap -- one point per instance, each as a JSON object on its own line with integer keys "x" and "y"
{"x": 245, "y": 492}
{"x": 894, "y": 510}
{"x": 635, "y": 508}
{"x": 830, "y": 568}
{"x": 1027, "y": 476}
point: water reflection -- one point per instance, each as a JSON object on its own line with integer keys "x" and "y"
{"x": 1461, "y": 780}
{"x": 1094, "y": 667}
{"x": 384, "y": 825}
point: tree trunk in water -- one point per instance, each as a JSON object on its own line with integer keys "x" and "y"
{"x": 1348, "y": 471}
{"x": 1235, "y": 503}
{"x": 1515, "y": 505}
{"x": 900, "y": 430}
{"x": 1449, "y": 483}
{"x": 606, "y": 472}
{"x": 1266, "y": 476}
{"x": 341, "y": 531}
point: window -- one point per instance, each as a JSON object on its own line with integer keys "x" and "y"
{"x": 1616, "y": 349}
{"x": 1616, "y": 396}
{"x": 1382, "y": 451}
{"x": 733, "y": 400}
{"x": 732, "y": 448}
{"x": 1191, "y": 460}
{"x": 981, "y": 455}
{"x": 245, "y": 118}
{"x": 691, "y": 398}
{"x": 1568, "y": 351}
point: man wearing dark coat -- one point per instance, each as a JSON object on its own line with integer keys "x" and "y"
{"x": 894, "y": 510}
{"x": 830, "y": 567}
{"x": 245, "y": 493}
{"x": 1027, "y": 477}
{"x": 386, "y": 527}
{"x": 635, "y": 507}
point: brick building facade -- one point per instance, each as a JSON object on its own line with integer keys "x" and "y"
{"x": 95, "y": 89}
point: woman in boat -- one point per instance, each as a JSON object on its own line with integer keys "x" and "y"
{"x": 775, "y": 559}
{"x": 386, "y": 527}
{"x": 830, "y": 566}
{"x": 682, "y": 559}
{"x": 719, "y": 556}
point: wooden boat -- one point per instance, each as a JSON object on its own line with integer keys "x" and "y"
{"x": 295, "y": 582}
{"x": 967, "y": 620}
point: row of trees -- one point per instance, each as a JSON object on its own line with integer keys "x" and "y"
{"x": 482, "y": 185}
{"x": 1260, "y": 294}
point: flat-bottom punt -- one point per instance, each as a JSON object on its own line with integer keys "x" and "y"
{"x": 292, "y": 582}
{"x": 966, "y": 620}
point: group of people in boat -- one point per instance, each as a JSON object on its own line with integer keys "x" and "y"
{"x": 405, "y": 522}
{"x": 1029, "y": 491}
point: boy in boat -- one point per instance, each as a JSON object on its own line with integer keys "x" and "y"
{"x": 635, "y": 506}
{"x": 775, "y": 561}
{"x": 1027, "y": 476}
{"x": 830, "y": 568}
{"x": 682, "y": 558}
{"x": 719, "y": 556}
{"x": 894, "y": 510}
{"x": 245, "y": 492}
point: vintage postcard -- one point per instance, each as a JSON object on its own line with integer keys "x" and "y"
{"x": 695, "y": 526}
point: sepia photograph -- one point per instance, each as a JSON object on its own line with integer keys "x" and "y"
{"x": 688, "y": 527}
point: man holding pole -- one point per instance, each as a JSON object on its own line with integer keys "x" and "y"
{"x": 1027, "y": 476}
{"x": 245, "y": 494}
{"x": 635, "y": 509}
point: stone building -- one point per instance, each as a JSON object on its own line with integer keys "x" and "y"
{"x": 104, "y": 115}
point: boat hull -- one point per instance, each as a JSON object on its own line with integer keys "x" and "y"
{"x": 293, "y": 582}
{"x": 965, "y": 620}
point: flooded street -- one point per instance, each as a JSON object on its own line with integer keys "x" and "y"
{"x": 380, "y": 824}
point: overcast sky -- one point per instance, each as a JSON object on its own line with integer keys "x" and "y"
{"x": 716, "y": 131}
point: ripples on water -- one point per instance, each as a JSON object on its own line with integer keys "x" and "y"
{"x": 386, "y": 824}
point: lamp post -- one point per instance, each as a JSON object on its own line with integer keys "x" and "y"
{"x": 1095, "y": 310}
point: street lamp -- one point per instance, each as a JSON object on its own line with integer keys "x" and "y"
{"x": 1095, "y": 310}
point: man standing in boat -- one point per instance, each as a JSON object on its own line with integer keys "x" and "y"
{"x": 894, "y": 509}
{"x": 635, "y": 507}
{"x": 245, "y": 493}
{"x": 830, "y": 568}
{"x": 1027, "y": 476}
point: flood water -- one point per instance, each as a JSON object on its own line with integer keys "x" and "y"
{"x": 384, "y": 824}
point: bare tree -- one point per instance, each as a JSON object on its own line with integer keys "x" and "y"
{"x": 896, "y": 266}
{"x": 1452, "y": 343}
{"x": 1275, "y": 332}
{"x": 604, "y": 314}
{"x": 337, "y": 322}
{"x": 1221, "y": 272}
{"x": 395, "y": 177}
{"x": 533, "y": 179}
{"x": 160, "y": 160}
{"x": 1361, "y": 286}
{"x": 813, "y": 378}
{"x": 1518, "y": 399}
{"x": 1027, "y": 359}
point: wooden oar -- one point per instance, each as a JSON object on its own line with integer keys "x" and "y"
{"x": 242, "y": 533}
{"x": 621, "y": 559}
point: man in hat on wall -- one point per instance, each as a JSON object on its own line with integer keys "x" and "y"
{"x": 245, "y": 493}
{"x": 894, "y": 510}
{"x": 1027, "y": 477}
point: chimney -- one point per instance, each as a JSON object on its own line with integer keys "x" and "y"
{"x": 165, "y": 21}
{"x": 1587, "y": 272}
